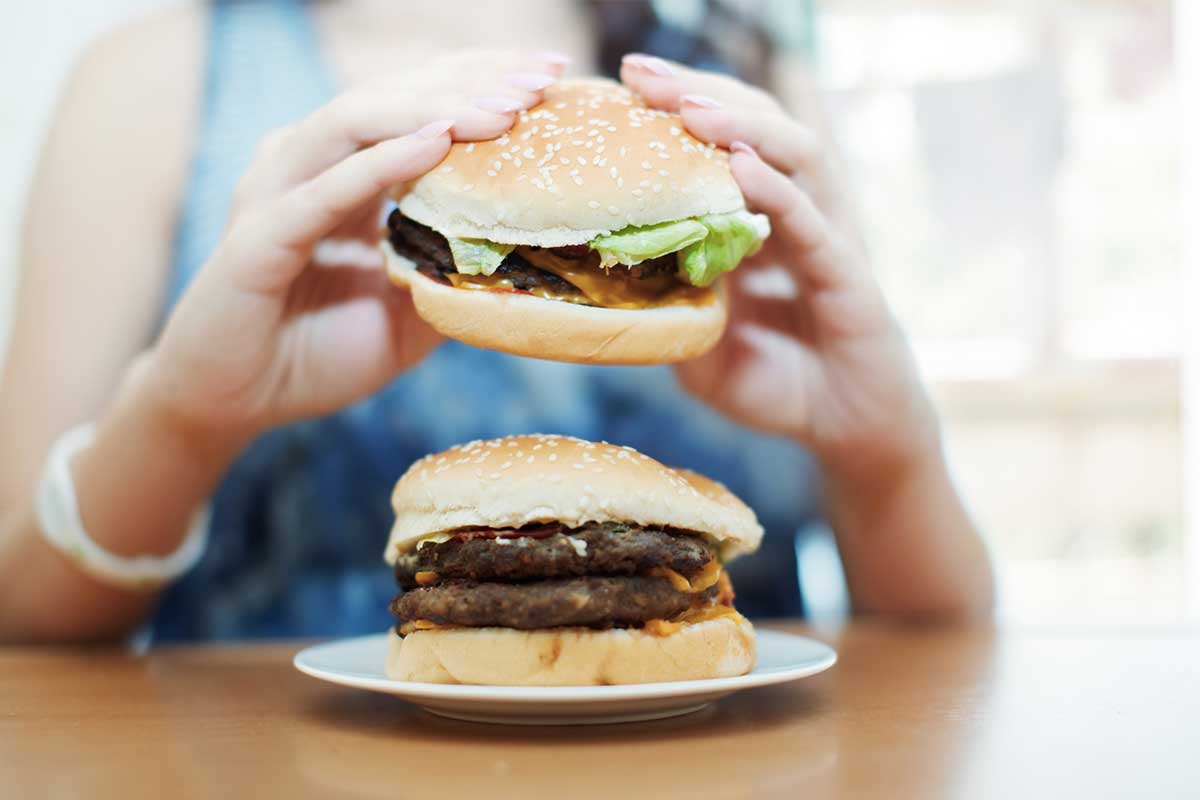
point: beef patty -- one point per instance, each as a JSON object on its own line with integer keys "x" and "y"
{"x": 585, "y": 602}
{"x": 608, "y": 549}
{"x": 429, "y": 250}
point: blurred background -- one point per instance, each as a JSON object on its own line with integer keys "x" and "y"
{"x": 1020, "y": 168}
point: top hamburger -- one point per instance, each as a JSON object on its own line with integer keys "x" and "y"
{"x": 594, "y": 231}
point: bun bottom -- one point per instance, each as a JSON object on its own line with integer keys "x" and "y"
{"x": 716, "y": 648}
{"x": 525, "y": 325}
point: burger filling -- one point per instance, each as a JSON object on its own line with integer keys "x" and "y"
{"x": 544, "y": 576}
{"x": 669, "y": 264}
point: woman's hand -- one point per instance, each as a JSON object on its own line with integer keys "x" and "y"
{"x": 812, "y": 350}
{"x": 293, "y": 315}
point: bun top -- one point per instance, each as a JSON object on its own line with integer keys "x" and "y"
{"x": 590, "y": 159}
{"x": 517, "y": 480}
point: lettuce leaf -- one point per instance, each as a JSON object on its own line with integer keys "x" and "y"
{"x": 708, "y": 246}
{"x": 729, "y": 239}
{"x": 477, "y": 256}
{"x": 633, "y": 245}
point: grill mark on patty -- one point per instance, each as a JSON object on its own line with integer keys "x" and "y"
{"x": 577, "y": 602}
{"x": 612, "y": 549}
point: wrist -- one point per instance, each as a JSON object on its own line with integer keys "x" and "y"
{"x": 887, "y": 461}
{"x": 144, "y": 456}
{"x": 149, "y": 394}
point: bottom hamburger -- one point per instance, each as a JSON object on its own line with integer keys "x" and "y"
{"x": 547, "y": 560}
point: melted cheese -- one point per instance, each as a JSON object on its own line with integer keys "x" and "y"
{"x": 693, "y": 616}
{"x": 612, "y": 288}
{"x": 422, "y": 625}
{"x": 710, "y": 574}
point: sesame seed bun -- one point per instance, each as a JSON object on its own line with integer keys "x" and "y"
{"x": 526, "y": 325}
{"x": 589, "y": 160}
{"x": 518, "y": 480}
{"x": 715, "y": 648}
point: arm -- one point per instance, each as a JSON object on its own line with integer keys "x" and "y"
{"x": 265, "y": 334}
{"x": 814, "y": 353}
{"x": 95, "y": 245}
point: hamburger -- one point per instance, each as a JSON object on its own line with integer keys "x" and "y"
{"x": 595, "y": 231}
{"x": 554, "y": 561}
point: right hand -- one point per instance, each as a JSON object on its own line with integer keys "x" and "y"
{"x": 265, "y": 334}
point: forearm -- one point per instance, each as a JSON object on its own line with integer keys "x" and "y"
{"x": 908, "y": 545}
{"x": 137, "y": 485}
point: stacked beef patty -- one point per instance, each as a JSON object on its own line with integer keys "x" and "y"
{"x": 545, "y": 576}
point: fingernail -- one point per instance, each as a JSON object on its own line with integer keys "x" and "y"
{"x": 434, "y": 129}
{"x": 698, "y": 101}
{"x": 651, "y": 64}
{"x": 531, "y": 81}
{"x": 553, "y": 57}
{"x": 498, "y": 104}
{"x": 742, "y": 147}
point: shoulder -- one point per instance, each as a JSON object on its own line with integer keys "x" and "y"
{"x": 149, "y": 54}
{"x": 133, "y": 96}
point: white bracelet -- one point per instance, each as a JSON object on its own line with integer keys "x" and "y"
{"x": 62, "y": 526}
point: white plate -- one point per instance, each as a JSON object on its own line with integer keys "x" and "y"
{"x": 359, "y": 663}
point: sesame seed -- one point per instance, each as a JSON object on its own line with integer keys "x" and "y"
{"x": 577, "y": 466}
{"x": 593, "y": 204}
{"x": 638, "y": 193}
{"x": 613, "y": 173}
{"x": 582, "y": 161}
{"x": 657, "y": 188}
{"x": 614, "y": 210}
{"x": 496, "y": 165}
{"x": 471, "y": 147}
{"x": 578, "y": 180}
{"x": 447, "y": 168}
{"x": 468, "y": 187}
{"x": 552, "y": 457}
{"x": 647, "y": 165}
{"x": 506, "y": 465}
{"x": 675, "y": 130}
{"x": 491, "y": 173}
{"x": 528, "y": 152}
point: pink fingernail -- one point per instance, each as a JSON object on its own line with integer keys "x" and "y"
{"x": 553, "y": 57}
{"x": 698, "y": 101}
{"x": 531, "y": 81}
{"x": 434, "y": 129}
{"x": 651, "y": 64}
{"x": 742, "y": 147}
{"x": 498, "y": 104}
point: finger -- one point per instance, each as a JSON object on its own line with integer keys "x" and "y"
{"x": 781, "y": 141}
{"x": 483, "y": 106}
{"x": 816, "y": 253}
{"x": 362, "y": 118}
{"x": 662, "y": 83}
{"x": 278, "y": 241}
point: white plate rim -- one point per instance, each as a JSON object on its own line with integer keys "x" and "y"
{"x": 571, "y": 694}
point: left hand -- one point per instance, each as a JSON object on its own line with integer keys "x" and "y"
{"x": 812, "y": 350}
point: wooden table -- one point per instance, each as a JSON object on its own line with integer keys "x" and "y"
{"x": 908, "y": 712}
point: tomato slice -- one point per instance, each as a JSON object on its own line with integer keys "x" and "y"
{"x": 542, "y": 531}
